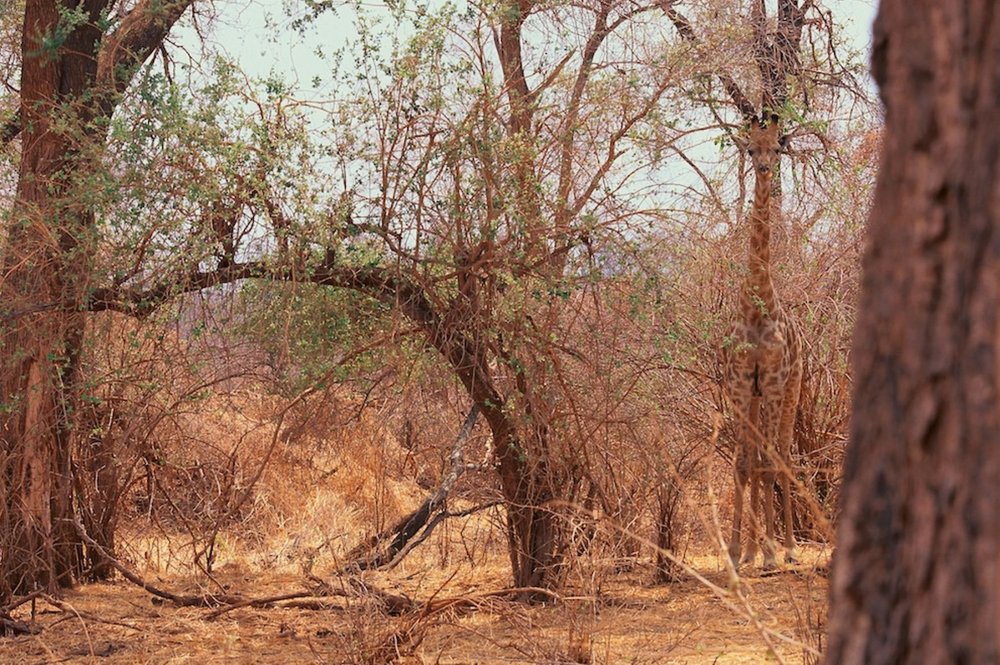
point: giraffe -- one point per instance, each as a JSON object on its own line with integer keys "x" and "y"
{"x": 762, "y": 360}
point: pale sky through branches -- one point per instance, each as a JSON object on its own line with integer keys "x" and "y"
{"x": 260, "y": 37}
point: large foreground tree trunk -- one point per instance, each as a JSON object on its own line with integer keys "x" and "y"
{"x": 917, "y": 570}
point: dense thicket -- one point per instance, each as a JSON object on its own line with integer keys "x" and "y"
{"x": 534, "y": 209}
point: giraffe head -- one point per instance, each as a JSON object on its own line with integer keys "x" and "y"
{"x": 765, "y": 143}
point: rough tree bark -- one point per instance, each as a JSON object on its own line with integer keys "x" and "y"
{"x": 916, "y": 576}
{"x": 74, "y": 67}
{"x": 525, "y": 477}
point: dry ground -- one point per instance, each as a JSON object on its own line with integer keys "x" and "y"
{"x": 623, "y": 619}
{"x": 315, "y": 502}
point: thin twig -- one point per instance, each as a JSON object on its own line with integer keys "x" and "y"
{"x": 177, "y": 599}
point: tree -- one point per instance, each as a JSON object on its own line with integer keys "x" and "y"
{"x": 77, "y": 58}
{"x": 918, "y": 547}
{"x": 480, "y": 204}
{"x": 479, "y": 229}
{"x": 485, "y": 188}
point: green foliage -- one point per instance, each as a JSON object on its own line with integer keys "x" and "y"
{"x": 311, "y": 334}
{"x": 70, "y": 18}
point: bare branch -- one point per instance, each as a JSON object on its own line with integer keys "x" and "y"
{"x": 180, "y": 600}
{"x": 402, "y": 537}
{"x": 459, "y": 350}
{"x": 600, "y": 31}
{"x": 141, "y": 31}
{"x": 512, "y": 64}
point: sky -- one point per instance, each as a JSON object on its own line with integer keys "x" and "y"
{"x": 857, "y": 17}
{"x": 258, "y": 34}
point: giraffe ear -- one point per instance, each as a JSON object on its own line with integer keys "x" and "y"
{"x": 774, "y": 118}
{"x": 783, "y": 142}
{"x": 741, "y": 142}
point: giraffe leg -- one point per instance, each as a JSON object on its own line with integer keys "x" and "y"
{"x": 754, "y": 432}
{"x": 742, "y": 409}
{"x": 740, "y": 476}
{"x": 754, "y": 510}
{"x": 786, "y": 431}
{"x": 772, "y": 421}
{"x": 768, "y": 539}
{"x": 786, "y": 506}
{"x": 743, "y": 472}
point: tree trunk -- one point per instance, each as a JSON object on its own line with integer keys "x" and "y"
{"x": 45, "y": 268}
{"x": 71, "y": 76}
{"x": 916, "y": 576}
{"x": 532, "y": 534}
{"x": 667, "y": 501}
{"x": 97, "y": 483}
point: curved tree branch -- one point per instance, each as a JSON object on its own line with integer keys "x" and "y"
{"x": 140, "y": 32}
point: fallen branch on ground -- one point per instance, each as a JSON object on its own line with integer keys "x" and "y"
{"x": 17, "y": 602}
{"x": 268, "y": 601}
{"x": 394, "y": 605}
{"x": 473, "y": 601}
{"x": 72, "y": 612}
{"x": 181, "y": 600}
{"x": 11, "y": 626}
{"x": 318, "y": 598}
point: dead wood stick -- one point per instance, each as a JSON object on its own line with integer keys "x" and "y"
{"x": 17, "y": 602}
{"x": 81, "y": 614}
{"x": 473, "y": 600}
{"x": 258, "y": 602}
{"x": 11, "y": 626}
{"x": 394, "y": 605}
{"x": 314, "y": 604}
{"x": 367, "y": 556}
{"x": 440, "y": 517}
{"x": 229, "y": 602}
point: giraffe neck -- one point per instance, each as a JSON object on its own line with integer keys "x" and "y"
{"x": 758, "y": 297}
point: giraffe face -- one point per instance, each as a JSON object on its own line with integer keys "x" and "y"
{"x": 765, "y": 144}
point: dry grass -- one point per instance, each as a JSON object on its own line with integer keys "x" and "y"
{"x": 626, "y": 621}
{"x": 333, "y": 483}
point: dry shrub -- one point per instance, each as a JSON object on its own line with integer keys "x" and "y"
{"x": 364, "y": 635}
{"x": 639, "y": 441}
{"x": 333, "y": 481}
{"x": 143, "y": 447}
{"x": 179, "y": 442}
{"x": 641, "y": 425}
